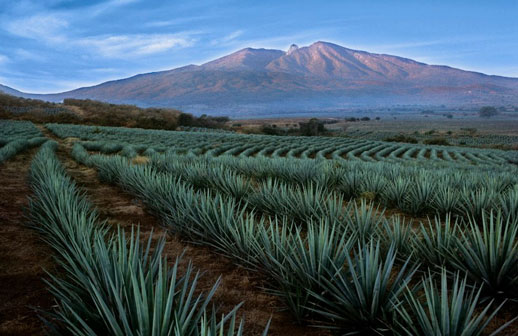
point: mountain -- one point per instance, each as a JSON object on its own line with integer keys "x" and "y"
{"x": 10, "y": 91}
{"x": 320, "y": 76}
{"x": 247, "y": 59}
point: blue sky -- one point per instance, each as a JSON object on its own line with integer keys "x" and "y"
{"x": 56, "y": 45}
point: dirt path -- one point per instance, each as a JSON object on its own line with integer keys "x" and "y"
{"x": 23, "y": 256}
{"x": 238, "y": 285}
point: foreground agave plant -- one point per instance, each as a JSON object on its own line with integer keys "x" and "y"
{"x": 488, "y": 252}
{"x": 111, "y": 284}
{"x": 436, "y": 240}
{"x": 360, "y": 297}
{"x": 444, "y": 310}
{"x": 124, "y": 289}
{"x": 301, "y": 261}
{"x": 509, "y": 204}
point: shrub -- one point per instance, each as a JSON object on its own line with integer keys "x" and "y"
{"x": 487, "y": 112}
{"x": 401, "y": 138}
{"x": 437, "y": 141}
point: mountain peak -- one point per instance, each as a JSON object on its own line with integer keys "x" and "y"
{"x": 244, "y": 59}
{"x": 326, "y": 44}
{"x": 292, "y": 48}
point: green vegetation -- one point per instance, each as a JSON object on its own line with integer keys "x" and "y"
{"x": 447, "y": 311}
{"x": 328, "y": 223}
{"x": 437, "y": 141}
{"x": 284, "y": 217}
{"x": 312, "y": 127}
{"x": 17, "y": 136}
{"x": 112, "y": 283}
{"x": 91, "y": 112}
{"x": 401, "y": 138}
{"x": 338, "y": 149}
{"x": 342, "y": 266}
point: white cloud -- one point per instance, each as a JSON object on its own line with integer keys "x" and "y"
{"x": 48, "y": 28}
{"x": 176, "y": 21}
{"x": 3, "y": 59}
{"x": 123, "y": 46}
{"x": 52, "y": 29}
{"x": 227, "y": 38}
{"x": 108, "y": 6}
{"x": 232, "y": 35}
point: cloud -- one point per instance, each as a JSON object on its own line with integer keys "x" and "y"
{"x": 232, "y": 35}
{"x": 123, "y": 46}
{"x": 302, "y": 38}
{"x": 52, "y": 29}
{"x": 3, "y": 59}
{"x": 48, "y": 28}
{"x": 178, "y": 21}
{"x": 108, "y": 6}
{"x": 227, "y": 38}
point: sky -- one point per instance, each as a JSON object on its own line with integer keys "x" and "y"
{"x": 57, "y": 45}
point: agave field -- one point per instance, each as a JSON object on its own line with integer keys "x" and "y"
{"x": 240, "y": 145}
{"x": 356, "y": 237}
{"x": 17, "y": 136}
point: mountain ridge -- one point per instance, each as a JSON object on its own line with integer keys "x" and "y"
{"x": 322, "y": 75}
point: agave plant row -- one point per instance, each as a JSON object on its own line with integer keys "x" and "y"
{"x": 347, "y": 267}
{"x": 281, "y": 184}
{"x": 17, "y": 146}
{"x": 11, "y": 130}
{"x": 17, "y": 136}
{"x": 112, "y": 283}
{"x": 338, "y": 149}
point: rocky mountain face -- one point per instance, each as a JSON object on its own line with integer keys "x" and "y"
{"x": 322, "y": 75}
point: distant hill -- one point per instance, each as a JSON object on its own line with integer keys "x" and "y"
{"x": 320, "y": 76}
{"x": 11, "y": 91}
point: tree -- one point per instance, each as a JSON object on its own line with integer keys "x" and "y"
{"x": 185, "y": 119}
{"x": 487, "y": 112}
{"x": 312, "y": 127}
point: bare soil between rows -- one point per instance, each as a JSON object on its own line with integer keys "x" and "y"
{"x": 24, "y": 257}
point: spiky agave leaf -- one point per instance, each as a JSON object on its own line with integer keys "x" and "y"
{"x": 420, "y": 195}
{"x": 446, "y": 200}
{"x": 435, "y": 241}
{"x": 361, "y": 296}
{"x": 19, "y": 145}
{"x": 229, "y": 183}
{"x": 476, "y": 203}
{"x": 395, "y": 192}
{"x": 109, "y": 284}
{"x": 509, "y": 204}
{"x": 305, "y": 259}
{"x": 301, "y": 203}
{"x": 364, "y": 220}
{"x": 123, "y": 289}
{"x": 396, "y": 232}
{"x": 445, "y": 310}
{"x": 488, "y": 252}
